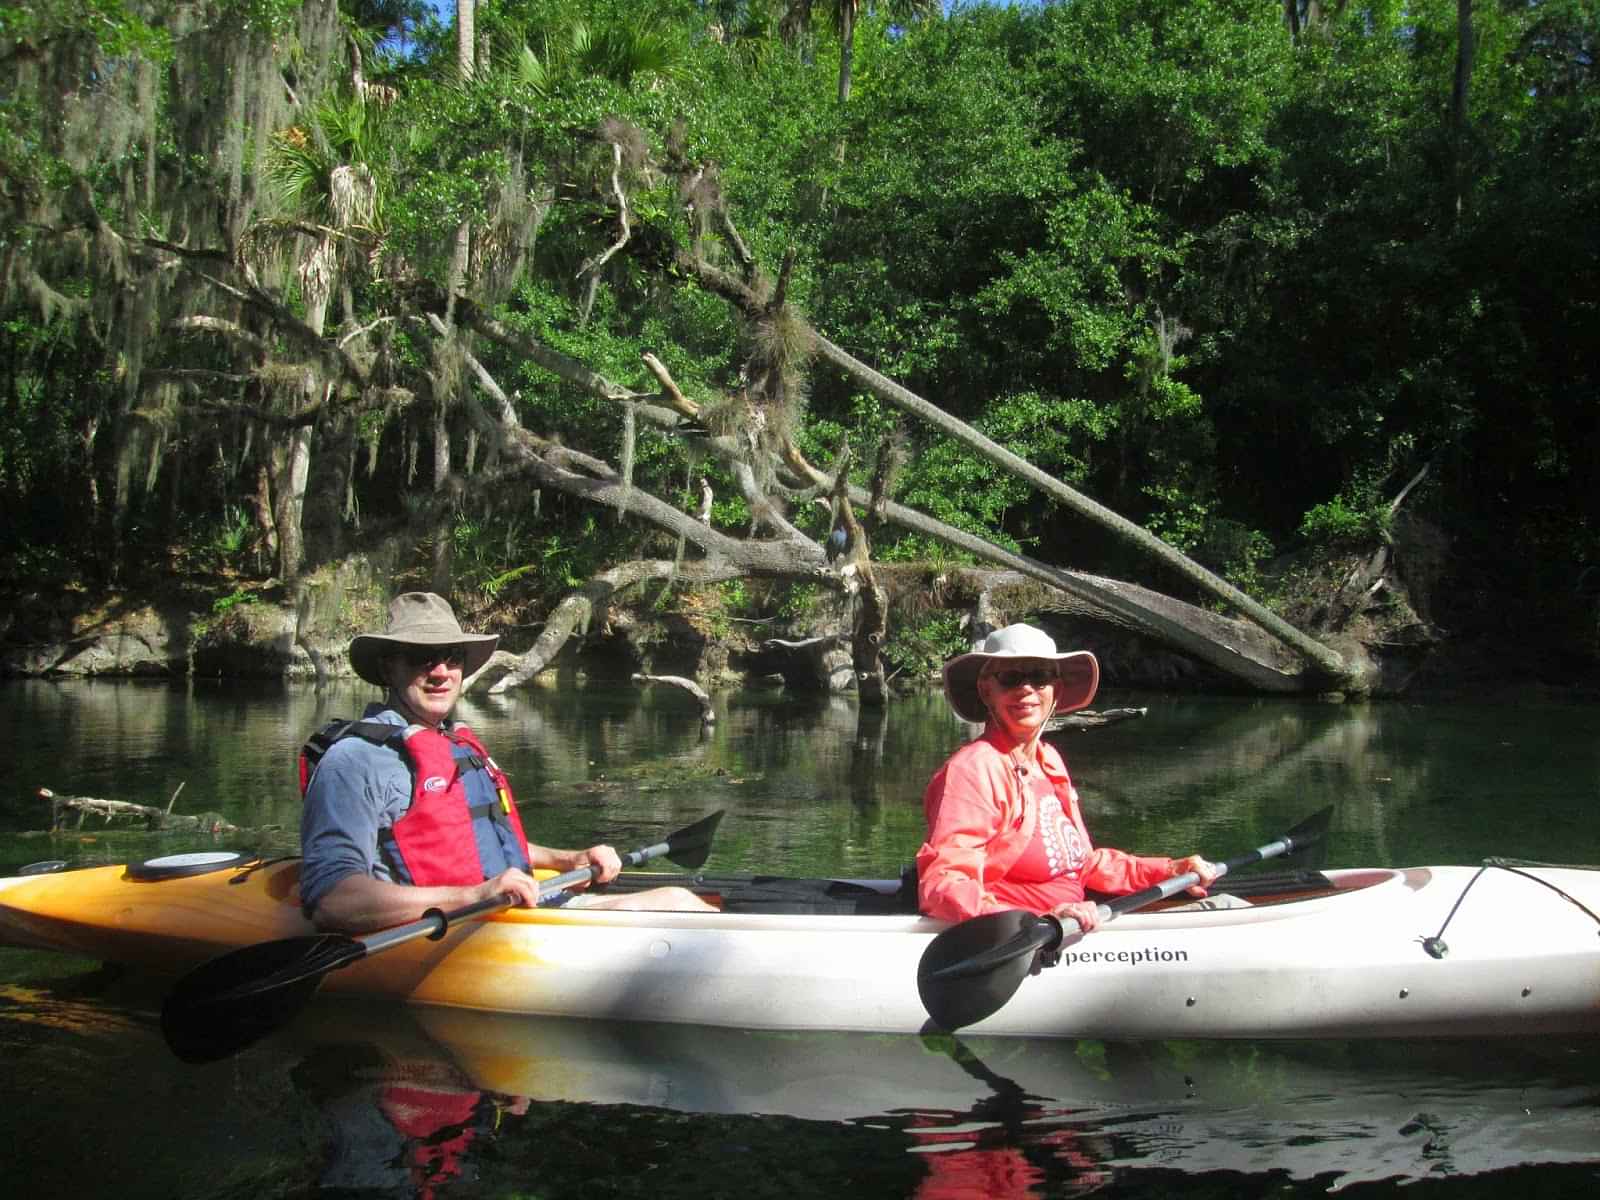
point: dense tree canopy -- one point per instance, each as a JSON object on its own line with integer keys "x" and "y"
{"x": 279, "y": 276}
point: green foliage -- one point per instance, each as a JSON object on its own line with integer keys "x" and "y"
{"x": 1176, "y": 519}
{"x": 914, "y": 548}
{"x": 917, "y": 647}
{"x": 954, "y": 486}
{"x": 1345, "y": 521}
{"x": 1237, "y": 553}
{"x": 117, "y": 28}
{"x": 233, "y": 534}
{"x": 1208, "y": 274}
{"x": 302, "y": 159}
{"x": 735, "y": 596}
{"x": 642, "y": 51}
{"x": 517, "y": 548}
{"x": 238, "y": 597}
{"x": 797, "y": 600}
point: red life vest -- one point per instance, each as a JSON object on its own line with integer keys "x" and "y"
{"x": 462, "y": 826}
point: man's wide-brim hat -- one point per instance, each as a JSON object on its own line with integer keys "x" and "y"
{"x": 418, "y": 619}
{"x": 1078, "y": 669}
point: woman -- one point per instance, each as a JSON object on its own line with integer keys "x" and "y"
{"x": 1004, "y": 829}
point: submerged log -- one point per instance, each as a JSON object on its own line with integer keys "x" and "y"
{"x": 73, "y": 810}
{"x": 1091, "y": 719}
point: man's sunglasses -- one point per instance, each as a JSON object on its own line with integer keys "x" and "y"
{"x": 1038, "y": 677}
{"x": 421, "y": 657}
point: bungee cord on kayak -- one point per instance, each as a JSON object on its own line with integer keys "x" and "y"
{"x": 1436, "y": 945}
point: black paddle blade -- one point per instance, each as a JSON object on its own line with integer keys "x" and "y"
{"x": 1309, "y": 840}
{"x": 691, "y": 845}
{"x": 969, "y": 971}
{"x": 237, "y": 998}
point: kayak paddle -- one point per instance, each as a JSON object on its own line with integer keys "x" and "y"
{"x": 969, "y": 971}
{"x": 238, "y": 997}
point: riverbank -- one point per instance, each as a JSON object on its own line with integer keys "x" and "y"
{"x": 231, "y": 628}
{"x": 228, "y": 628}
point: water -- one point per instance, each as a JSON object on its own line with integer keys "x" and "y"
{"x": 388, "y": 1101}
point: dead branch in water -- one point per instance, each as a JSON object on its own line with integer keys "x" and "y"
{"x": 707, "y": 714}
{"x": 72, "y": 811}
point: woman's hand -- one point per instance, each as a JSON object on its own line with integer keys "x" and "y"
{"x": 1208, "y": 872}
{"x": 1085, "y": 912}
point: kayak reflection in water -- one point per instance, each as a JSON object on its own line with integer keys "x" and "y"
{"x": 991, "y": 1165}
{"x": 1004, "y": 827}
{"x": 405, "y": 810}
{"x": 399, "y": 1126}
{"x": 1001, "y": 1148}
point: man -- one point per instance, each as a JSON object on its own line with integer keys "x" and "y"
{"x": 408, "y": 812}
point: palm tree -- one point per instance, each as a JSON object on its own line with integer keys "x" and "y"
{"x": 624, "y": 54}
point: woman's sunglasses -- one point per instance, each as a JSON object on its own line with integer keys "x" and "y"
{"x": 1037, "y": 678}
{"x": 419, "y": 658}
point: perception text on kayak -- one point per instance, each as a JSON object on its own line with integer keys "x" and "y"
{"x": 1132, "y": 958}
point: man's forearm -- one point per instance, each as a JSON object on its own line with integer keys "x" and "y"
{"x": 361, "y": 904}
{"x": 543, "y": 858}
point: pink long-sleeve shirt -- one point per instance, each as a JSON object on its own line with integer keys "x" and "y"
{"x": 982, "y": 815}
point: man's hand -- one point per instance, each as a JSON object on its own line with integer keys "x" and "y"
{"x": 513, "y": 882}
{"x": 603, "y": 858}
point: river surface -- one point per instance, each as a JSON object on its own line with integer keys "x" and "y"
{"x": 389, "y": 1101}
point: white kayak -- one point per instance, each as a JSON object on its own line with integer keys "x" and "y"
{"x": 1362, "y": 953}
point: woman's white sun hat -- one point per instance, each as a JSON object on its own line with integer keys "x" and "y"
{"x": 1079, "y": 671}
{"x": 418, "y": 619}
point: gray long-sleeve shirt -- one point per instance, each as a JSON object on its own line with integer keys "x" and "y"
{"x": 358, "y": 790}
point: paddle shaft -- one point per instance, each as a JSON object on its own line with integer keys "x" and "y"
{"x": 1168, "y": 888}
{"x": 435, "y": 922}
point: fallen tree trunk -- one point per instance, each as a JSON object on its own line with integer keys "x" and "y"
{"x": 1240, "y": 649}
{"x": 1328, "y": 661}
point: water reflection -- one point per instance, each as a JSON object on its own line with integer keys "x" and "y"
{"x": 374, "y": 1099}
{"x": 816, "y": 784}
{"x": 989, "y": 1117}
{"x": 396, "y": 1121}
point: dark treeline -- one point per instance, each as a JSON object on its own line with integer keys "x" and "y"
{"x": 278, "y": 278}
